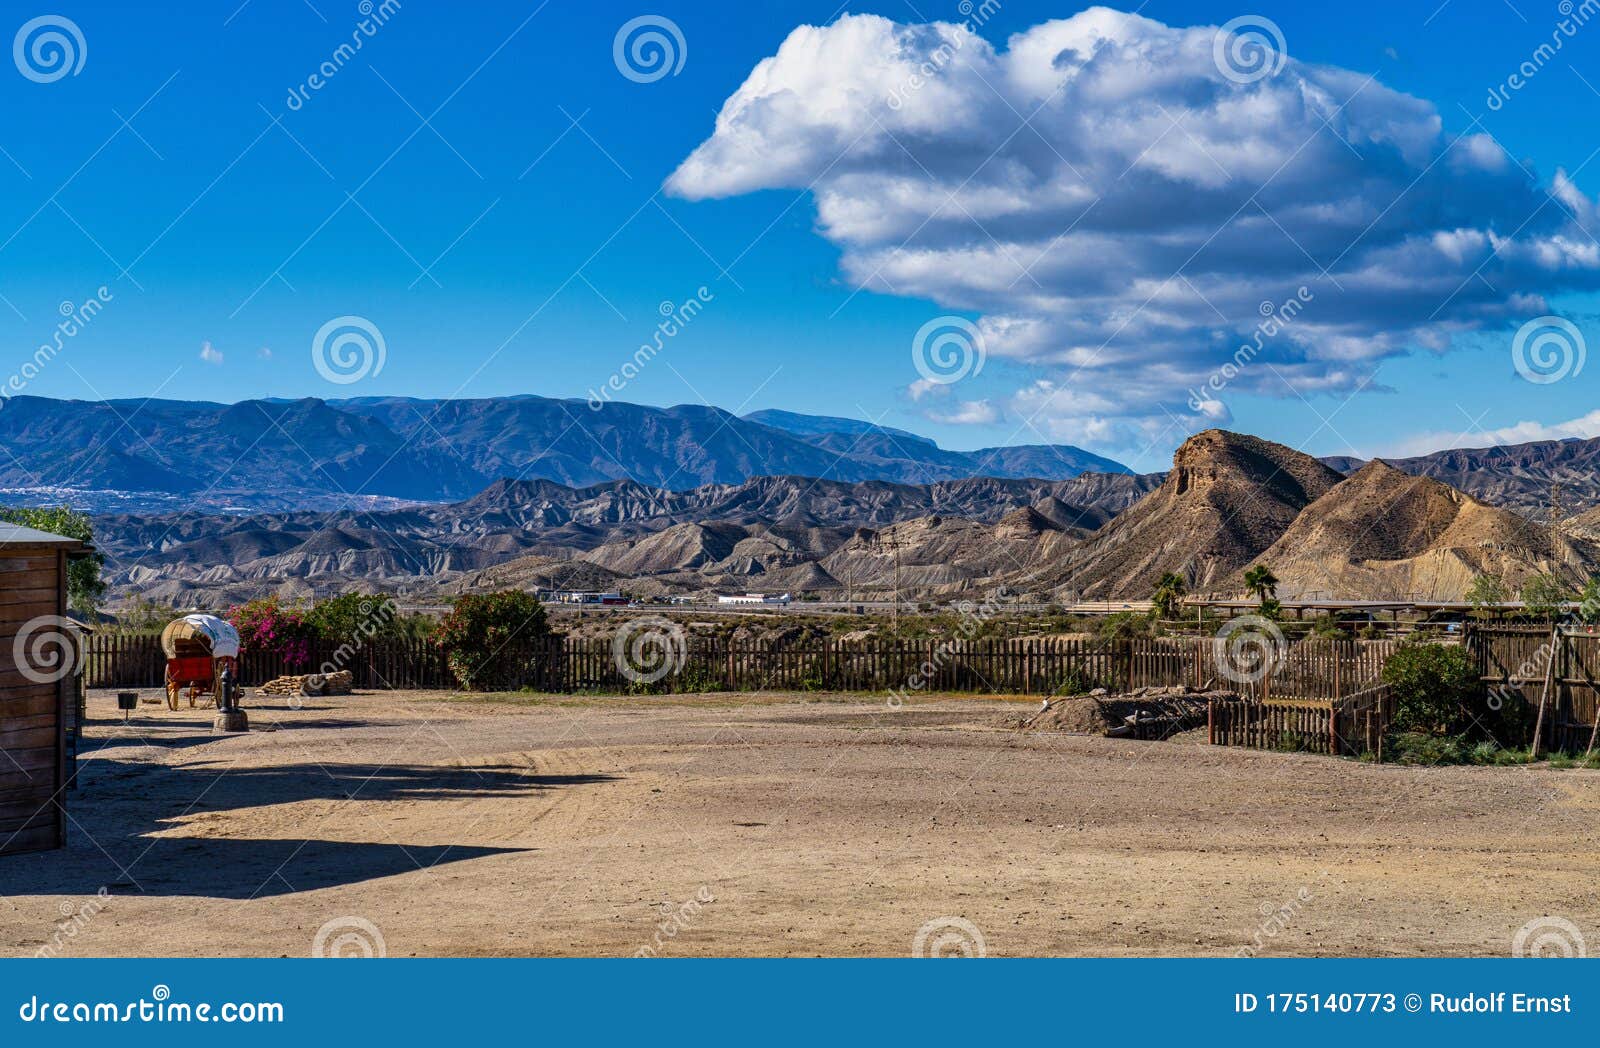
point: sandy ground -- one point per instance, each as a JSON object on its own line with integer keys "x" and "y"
{"x": 733, "y": 825}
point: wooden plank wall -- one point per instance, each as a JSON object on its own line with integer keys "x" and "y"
{"x": 32, "y": 765}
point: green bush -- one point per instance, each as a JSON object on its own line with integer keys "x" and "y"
{"x": 1433, "y": 686}
{"x": 354, "y": 617}
{"x": 1419, "y": 747}
{"x": 486, "y": 638}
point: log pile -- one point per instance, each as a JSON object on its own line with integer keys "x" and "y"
{"x": 335, "y": 683}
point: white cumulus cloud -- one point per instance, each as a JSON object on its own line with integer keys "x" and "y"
{"x": 210, "y": 355}
{"x": 1121, "y": 215}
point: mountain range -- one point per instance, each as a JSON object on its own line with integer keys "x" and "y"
{"x": 202, "y": 504}
{"x": 1231, "y": 501}
{"x": 718, "y": 533}
{"x": 265, "y": 455}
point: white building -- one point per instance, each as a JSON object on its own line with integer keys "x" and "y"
{"x": 752, "y": 598}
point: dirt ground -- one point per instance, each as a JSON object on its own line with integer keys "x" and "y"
{"x": 774, "y": 825}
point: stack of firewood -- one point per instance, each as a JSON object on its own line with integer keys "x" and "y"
{"x": 335, "y": 683}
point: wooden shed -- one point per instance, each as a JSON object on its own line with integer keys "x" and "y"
{"x": 38, "y": 663}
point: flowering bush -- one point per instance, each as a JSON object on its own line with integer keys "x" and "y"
{"x": 486, "y": 637}
{"x": 270, "y": 625}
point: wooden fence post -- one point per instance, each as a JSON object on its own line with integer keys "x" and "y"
{"x": 1544, "y": 694}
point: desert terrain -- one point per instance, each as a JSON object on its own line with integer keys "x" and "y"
{"x": 775, "y": 825}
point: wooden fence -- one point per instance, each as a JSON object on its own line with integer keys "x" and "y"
{"x": 1312, "y": 669}
{"x": 136, "y": 661}
{"x": 1516, "y": 661}
{"x": 1345, "y": 727}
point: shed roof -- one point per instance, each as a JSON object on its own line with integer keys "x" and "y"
{"x": 15, "y": 535}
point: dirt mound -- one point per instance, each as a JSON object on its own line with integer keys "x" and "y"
{"x": 1146, "y": 713}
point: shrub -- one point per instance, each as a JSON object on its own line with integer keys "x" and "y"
{"x": 354, "y": 617}
{"x": 1417, "y": 747}
{"x": 485, "y": 637}
{"x": 1432, "y": 685}
{"x": 1125, "y": 625}
{"x": 268, "y": 624}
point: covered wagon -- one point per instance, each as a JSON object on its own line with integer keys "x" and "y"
{"x": 199, "y": 649}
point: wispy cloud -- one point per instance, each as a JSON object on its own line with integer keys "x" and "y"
{"x": 968, "y": 413}
{"x": 1583, "y": 427}
{"x": 209, "y": 354}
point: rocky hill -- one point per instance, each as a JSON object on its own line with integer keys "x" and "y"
{"x": 1227, "y": 499}
{"x": 1525, "y": 478}
{"x": 1384, "y": 533}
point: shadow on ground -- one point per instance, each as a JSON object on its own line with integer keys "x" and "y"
{"x": 120, "y": 804}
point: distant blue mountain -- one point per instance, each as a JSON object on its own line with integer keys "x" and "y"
{"x": 821, "y": 425}
{"x": 264, "y": 452}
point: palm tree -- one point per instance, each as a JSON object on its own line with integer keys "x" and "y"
{"x": 1262, "y": 582}
{"x": 1169, "y": 591}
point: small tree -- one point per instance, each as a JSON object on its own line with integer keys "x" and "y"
{"x": 484, "y": 636}
{"x": 1486, "y": 593}
{"x": 1433, "y": 686}
{"x": 1262, "y": 582}
{"x": 1169, "y": 591}
{"x": 144, "y": 616}
{"x": 1543, "y": 595}
{"x": 85, "y": 588}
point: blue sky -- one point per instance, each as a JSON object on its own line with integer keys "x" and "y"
{"x": 519, "y": 240}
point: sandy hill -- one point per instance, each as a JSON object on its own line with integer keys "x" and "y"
{"x": 1228, "y": 498}
{"x": 942, "y": 555}
{"x": 1384, "y": 533}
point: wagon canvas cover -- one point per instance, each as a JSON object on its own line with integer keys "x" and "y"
{"x": 219, "y": 636}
